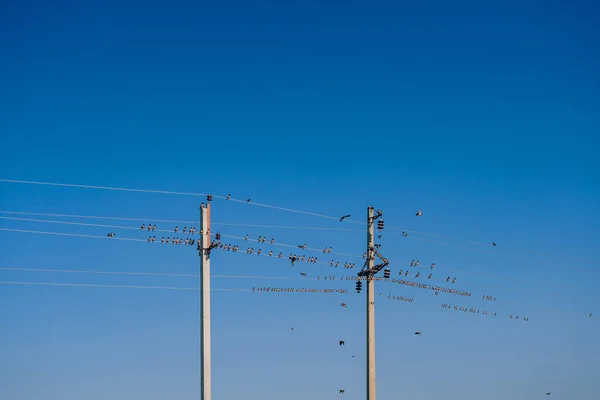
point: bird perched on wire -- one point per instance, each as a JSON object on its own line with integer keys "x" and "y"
{"x": 344, "y": 217}
{"x": 248, "y": 201}
{"x": 419, "y": 213}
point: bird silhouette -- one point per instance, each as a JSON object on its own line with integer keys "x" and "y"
{"x": 344, "y": 217}
{"x": 419, "y": 213}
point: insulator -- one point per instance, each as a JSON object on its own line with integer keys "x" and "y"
{"x": 386, "y": 273}
{"x": 380, "y": 225}
{"x": 358, "y": 286}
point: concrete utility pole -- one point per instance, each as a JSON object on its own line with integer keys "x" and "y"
{"x": 368, "y": 273}
{"x": 204, "y": 251}
{"x": 371, "y": 388}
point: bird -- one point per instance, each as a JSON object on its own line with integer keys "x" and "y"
{"x": 342, "y": 391}
{"x": 494, "y": 244}
{"x": 404, "y": 234}
{"x": 419, "y": 213}
{"x": 342, "y": 343}
{"x": 418, "y": 333}
{"x": 548, "y": 394}
{"x": 344, "y": 217}
{"x": 303, "y": 273}
{"x": 292, "y": 328}
{"x": 353, "y": 356}
{"x": 228, "y": 197}
{"x": 248, "y": 201}
{"x": 343, "y": 304}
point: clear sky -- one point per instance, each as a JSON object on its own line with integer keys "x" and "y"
{"x": 484, "y": 115}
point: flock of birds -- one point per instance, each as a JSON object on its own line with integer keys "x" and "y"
{"x": 476, "y": 311}
{"x": 293, "y": 258}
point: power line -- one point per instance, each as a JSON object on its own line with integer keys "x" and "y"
{"x": 166, "y": 274}
{"x": 291, "y": 245}
{"x": 71, "y": 234}
{"x": 270, "y": 256}
{"x": 179, "y": 221}
{"x": 175, "y": 193}
{"x": 119, "y": 286}
{"x": 164, "y": 230}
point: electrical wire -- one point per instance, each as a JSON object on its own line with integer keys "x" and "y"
{"x": 247, "y": 202}
{"x": 162, "y": 230}
{"x": 119, "y": 286}
{"x": 181, "y": 222}
{"x": 165, "y": 274}
{"x": 290, "y": 245}
{"x": 105, "y": 237}
{"x": 71, "y": 234}
{"x": 262, "y": 254}
{"x": 228, "y": 198}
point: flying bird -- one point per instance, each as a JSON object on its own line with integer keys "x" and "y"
{"x": 494, "y": 244}
{"x": 342, "y": 343}
{"x": 418, "y": 333}
{"x": 419, "y": 213}
{"x": 344, "y": 217}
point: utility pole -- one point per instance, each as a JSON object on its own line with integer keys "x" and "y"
{"x": 371, "y": 385}
{"x": 204, "y": 247}
{"x": 368, "y": 272}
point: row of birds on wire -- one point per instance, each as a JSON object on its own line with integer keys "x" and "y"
{"x": 293, "y": 258}
{"x": 477, "y": 311}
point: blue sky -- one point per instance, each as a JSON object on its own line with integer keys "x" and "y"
{"x": 484, "y": 116}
